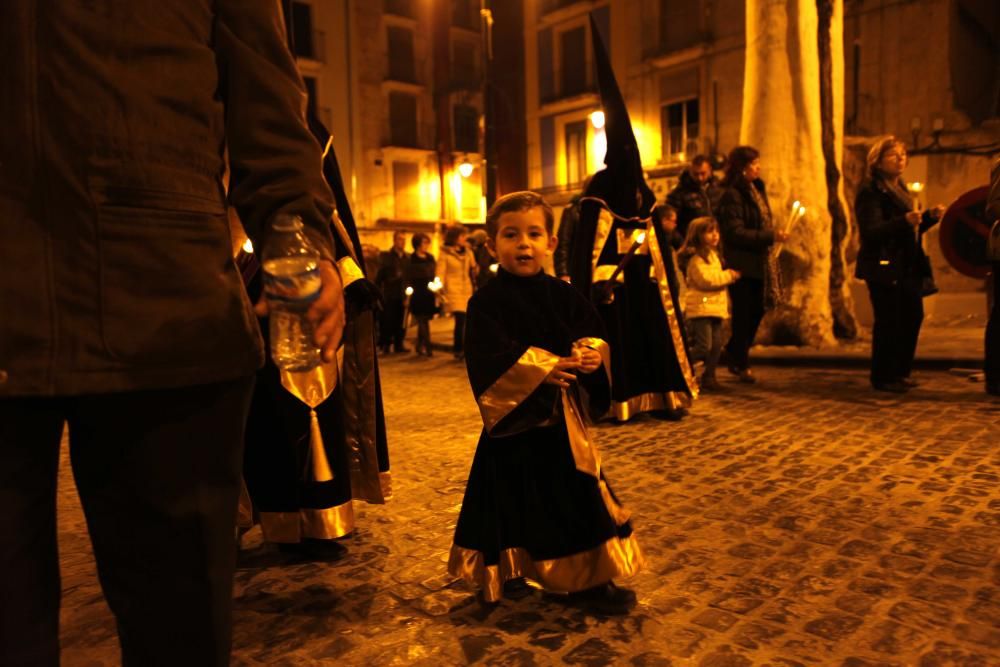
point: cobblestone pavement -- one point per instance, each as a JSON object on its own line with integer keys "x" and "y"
{"x": 801, "y": 521}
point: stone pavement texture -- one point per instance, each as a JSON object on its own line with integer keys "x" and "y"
{"x": 802, "y": 521}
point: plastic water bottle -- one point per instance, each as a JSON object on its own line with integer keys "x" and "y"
{"x": 291, "y": 283}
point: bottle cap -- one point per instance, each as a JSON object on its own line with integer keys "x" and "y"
{"x": 283, "y": 222}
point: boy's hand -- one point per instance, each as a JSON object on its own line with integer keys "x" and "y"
{"x": 590, "y": 360}
{"x": 561, "y": 376}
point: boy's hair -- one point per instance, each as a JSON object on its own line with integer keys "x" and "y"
{"x": 692, "y": 242}
{"x": 417, "y": 239}
{"x": 664, "y": 211}
{"x": 514, "y": 203}
{"x": 453, "y": 233}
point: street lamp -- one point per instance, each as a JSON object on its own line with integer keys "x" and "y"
{"x": 465, "y": 168}
{"x": 597, "y": 119}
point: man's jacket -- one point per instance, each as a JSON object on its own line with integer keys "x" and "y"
{"x": 116, "y": 269}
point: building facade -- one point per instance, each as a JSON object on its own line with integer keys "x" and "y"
{"x": 399, "y": 83}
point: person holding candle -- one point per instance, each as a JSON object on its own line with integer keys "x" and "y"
{"x": 748, "y": 233}
{"x": 420, "y": 273}
{"x": 892, "y": 263}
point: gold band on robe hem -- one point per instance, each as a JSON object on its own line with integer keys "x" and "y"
{"x": 670, "y": 400}
{"x": 515, "y": 385}
{"x": 667, "y": 300}
{"x": 616, "y": 558}
{"x": 321, "y": 524}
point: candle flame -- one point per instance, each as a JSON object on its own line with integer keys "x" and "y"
{"x": 916, "y": 186}
{"x": 641, "y": 238}
{"x": 409, "y": 291}
{"x": 248, "y": 246}
{"x": 494, "y": 268}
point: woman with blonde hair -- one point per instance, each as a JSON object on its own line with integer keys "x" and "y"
{"x": 456, "y": 271}
{"x": 892, "y": 262}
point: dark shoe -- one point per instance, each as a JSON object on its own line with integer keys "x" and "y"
{"x": 314, "y": 550}
{"x": 384, "y": 349}
{"x": 709, "y": 383}
{"x": 908, "y": 383}
{"x": 891, "y": 387}
{"x": 606, "y": 599}
{"x": 669, "y": 414}
{"x": 402, "y": 349}
{"x": 745, "y": 375}
{"x": 516, "y": 589}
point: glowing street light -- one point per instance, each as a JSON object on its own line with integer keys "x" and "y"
{"x": 465, "y": 169}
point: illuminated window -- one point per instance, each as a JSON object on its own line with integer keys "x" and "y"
{"x": 576, "y": 152}
{"x": 406, "y": 189}
{"x": 679, "y": 127}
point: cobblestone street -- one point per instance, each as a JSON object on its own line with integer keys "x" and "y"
{"x": 802, "y": 521}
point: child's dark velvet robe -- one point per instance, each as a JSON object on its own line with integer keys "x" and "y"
{"x": 536, "y": 504}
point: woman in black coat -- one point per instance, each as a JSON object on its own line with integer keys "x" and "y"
{"x": 892, "y": 263}
{"x": 744, "y": 216}
{"x": 420, "y": 272}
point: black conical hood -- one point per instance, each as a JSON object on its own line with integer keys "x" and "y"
{"x": 622, "y": 184}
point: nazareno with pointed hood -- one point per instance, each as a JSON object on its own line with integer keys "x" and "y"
{"x": 289, "y": 503}
{"x": 641, "y": 308}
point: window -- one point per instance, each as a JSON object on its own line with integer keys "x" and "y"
{"x": 679, "y": 128}
{"x": 311, "y": 101}
{"x": 403, "y": 120}
{"x": 463, "y": 64}
{"x": 466, "y": 122}
{"x": 302, "y": 32}
{"x": 399, "y": 7}
{"x": 679, "y": 24}
{"x": 465, "y": 14}
{"x": 406, "y": 189}
{"x": 573, "y": 49}
{"x": 401, "y": 65}
{"x": 576, "y": 152}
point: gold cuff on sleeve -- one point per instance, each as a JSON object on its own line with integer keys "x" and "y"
{"x": 349, "y": 270}
{"x": 515, "y": 385}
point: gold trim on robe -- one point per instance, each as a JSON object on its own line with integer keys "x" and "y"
{"x": 668, "y": 308}
{"x": 515, "y": 385}
{"x": 385, "y": 481}
{"x": 670, "y": 400}
{"x": 349, "y": 270}
{"x": 614, "y": 559}
{"x": 605, "y": 271}
{"x": 321, "y": 524}
{"x": 601, "y": 233}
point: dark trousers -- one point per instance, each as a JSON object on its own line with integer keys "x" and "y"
{"x": 423, "y": 333}
{"x": 898, "y": 311}
{"x": 459, "y": 332}
{"x": 706, "y": 341}
{"x": 158, "y": 473}
{"x": 391, "y": 324}
{"x": 992, "y": 361}
{"x": 747, "y": 297}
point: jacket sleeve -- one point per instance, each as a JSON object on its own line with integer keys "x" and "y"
{"x": 276, "y": 162}
{"x": 872, "y": 225}
{"x": 707, "y": 276}
{"x": 734, "y": 228}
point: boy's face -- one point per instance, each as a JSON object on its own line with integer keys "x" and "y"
{"x": 522, "y": 242}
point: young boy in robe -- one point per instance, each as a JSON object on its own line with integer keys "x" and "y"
{"x": 537, "y": 506}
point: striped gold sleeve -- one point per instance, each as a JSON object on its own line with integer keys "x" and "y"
{"x": 514, "y": 386}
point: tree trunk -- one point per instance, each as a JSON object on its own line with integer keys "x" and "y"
{"x": 783, "y": 118}
{"x": 830, "y": 42}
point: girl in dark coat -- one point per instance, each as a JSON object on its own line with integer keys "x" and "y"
{"x": 892, "y": 263}
{"x": 744, "y": 217}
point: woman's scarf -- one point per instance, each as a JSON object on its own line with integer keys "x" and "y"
{"x": 773, "y": 292}
{"x": 896, "y": 190}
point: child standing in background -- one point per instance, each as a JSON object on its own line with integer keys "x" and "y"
{"x": 707, "y": 297}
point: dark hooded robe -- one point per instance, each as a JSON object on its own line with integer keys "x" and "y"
{"x": 283, "y": 492}
{"x": 639, "y": 308}
{"x": 537, "y": 504}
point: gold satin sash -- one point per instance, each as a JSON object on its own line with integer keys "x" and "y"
{"x": 514, "y": 386}
{"x": 312, "y": 387}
